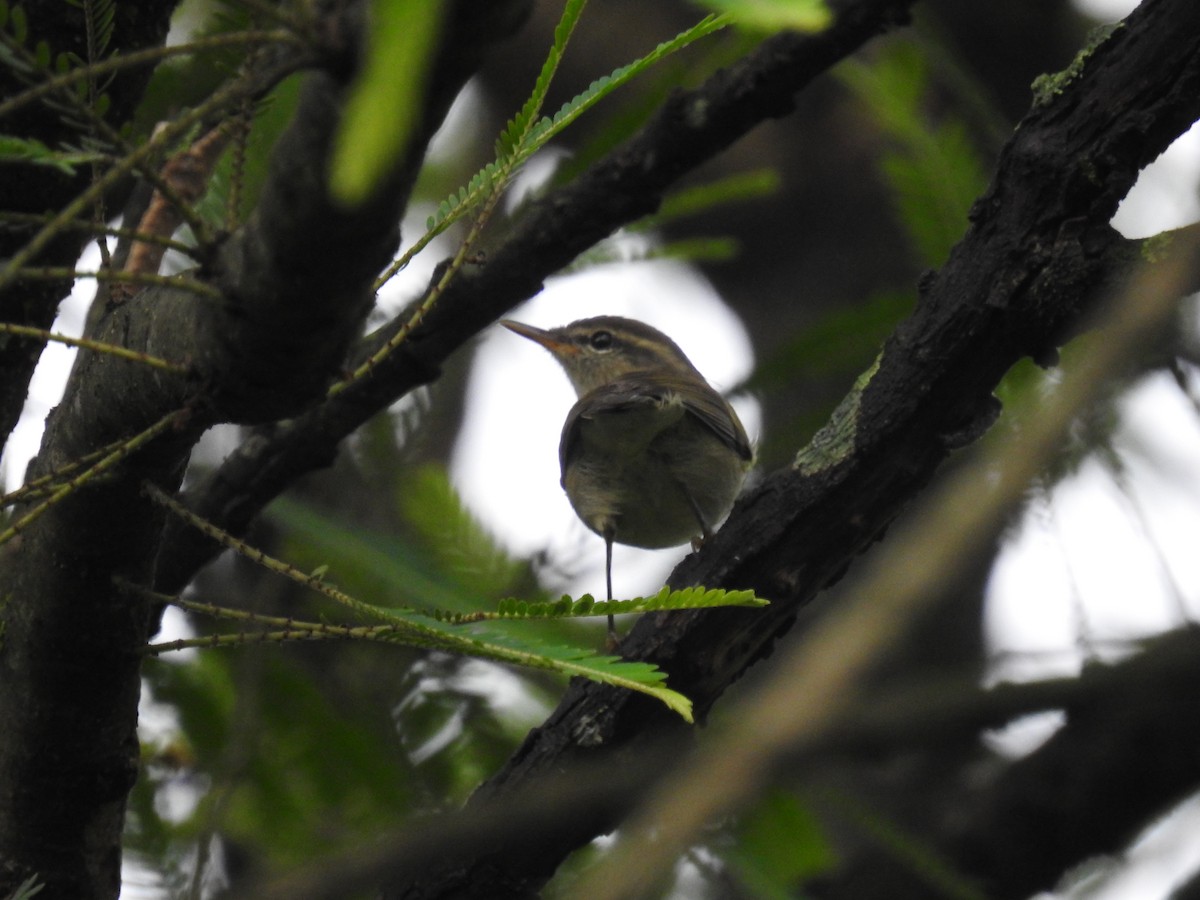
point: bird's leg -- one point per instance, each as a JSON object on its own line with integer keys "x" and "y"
{"x": 611, "y": 643}
{"x": 705, "y": 533}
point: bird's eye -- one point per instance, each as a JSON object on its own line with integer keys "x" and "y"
{"x": 601, "y": 340}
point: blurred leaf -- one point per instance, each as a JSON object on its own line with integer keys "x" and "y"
{"x": 934, "y": 171}
{"x": 382, "y": 567}
{"x": 463, "y": 547}
{"x": 271, "y": 117}
{"x": 901, "y": 843}
{"x": 774, "y": 15}
{"x": 450, "y": 724}
{"x": 844, "y": 341}
{"x": 736, "y": 188}
{"x": 31, "y": 150}
{"x": 700, "y": 249}
{"x": 384, "y": 104}
{"x": 187, "y": 80}
{"x": 778, "y": 845}
{"x": 284, "y": 769}
{"x": 28, "y": 889}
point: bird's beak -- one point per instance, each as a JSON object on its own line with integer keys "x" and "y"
{"x": 546, "y": 338}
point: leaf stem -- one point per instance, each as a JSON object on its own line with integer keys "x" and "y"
{"x": 97, "y": 346}
{"x": 124, "y": 449}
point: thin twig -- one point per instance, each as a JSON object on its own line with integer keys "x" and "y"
{"x": 125, "y": 448}
{"x": 48, "y": 483}
{"x": 141, "y": 57}
{"x": 57, "y": 273}
{"x": 98, "y": 346}
{"x": 286, "y": 628}
{"x": 101, "y": 229}
{"x": 312, "y": 580}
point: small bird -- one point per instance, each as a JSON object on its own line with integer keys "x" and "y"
{"x": 651, "y": 455}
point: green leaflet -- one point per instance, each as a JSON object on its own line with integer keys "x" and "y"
{"x": 587, "y": 605}
{"x": 492, "y": 644}
{"x": 475, "y": 635}
{"x": 99, "y": 19}
{"x": 435, "y": 630}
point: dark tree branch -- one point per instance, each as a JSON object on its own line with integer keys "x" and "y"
{"x": 1125, "y": 755}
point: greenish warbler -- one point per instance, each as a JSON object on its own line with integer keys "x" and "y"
{"x": 651, "y": 455}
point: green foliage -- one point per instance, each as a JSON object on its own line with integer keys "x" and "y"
{"x": 524, "y": 136}
{"x": 439, "y": 555}
{"x": 501, "y": 646}
{"x": 843, "y": 341}
{"x": 774, "y": 15}
{"x": 19, "y": 24}
{"x": 186, "y": 80}
{"x": 437, "y": 630}
{"x": 455, "y": 725}
{"x": 424, "y": 607}
{"x": 384, "y": 106}
{"x": 269, "y": 119}
{"x": 933, "y": 170}
{"x": 458, "y": 542}
{"x": 369, "y": 563}
{"x": 79, "y": 101}
{"x": 274, "y": 763}
{"x": 906, "y": 848}
{"x": 777, "y": 846}
{"x": 690, "y": 201}
{"x": 740, "y": 187}
{"x": 31, "y": 150}
{"x": 512, "y": 139}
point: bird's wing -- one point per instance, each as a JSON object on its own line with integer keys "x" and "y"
{"x": 649, "y": 389}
